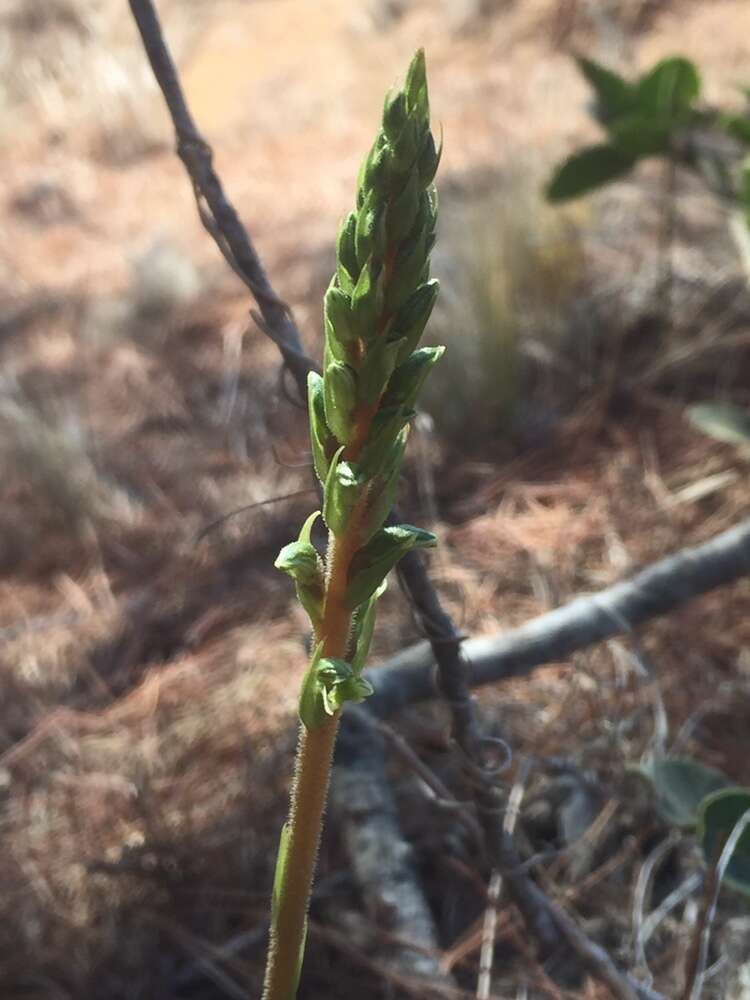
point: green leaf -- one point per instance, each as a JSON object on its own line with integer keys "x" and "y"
{"x": 738, "y": 126}
{"x": 744, "y": 192}
{"x": 340, "y": 399}
{"x": 279, "y": 880}
{"x": 640, "y": 134}
{"x": 680, "y": 785}
{"x": 280, "y": 871}
{"x": 322, "y": 441}
{"x": 722, "y": 421}
{"x": 375, "y": 560}
{"x": 363, "y": 625}
{"x": 588, "y": 169}
{"x": 311, "y": 709}
{"x": 719, "y": 814}
{"x": 382, "y": 493}
{"x": 670, "y": 88}
{"x": 343, "y": 489}
{"x": 614, "y": 95}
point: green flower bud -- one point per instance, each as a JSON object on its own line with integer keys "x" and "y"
{"x": 340, "y": 399}
{"x": 345, "y": 251}
{"x": 411, "y": 261}
{"x": 411, "y": 319}
{"x": 415, "y": 88}
{"x": 394, "y": 114}
{"x": 339, "y": 322}
{"x": 402, "y": 212}
{"x": 376, "y": 170}
{"x": 406, "y": 146}
{"x": 369, "y": 237}
{"x": 302, "y": 562}
{"x": 369, "y": 169}
{"x": 382, "y": 493}
{"x": 343, "y": 489}
{"x": 428, "y": 160}
{"x": 367, "y": 300}
{"x": 408, "y": 378}
{"x": 384, "y": 430}
{"x": 323, "y": 442}
{"x": 329, "y": 683}
{"x": 377, "y": 368}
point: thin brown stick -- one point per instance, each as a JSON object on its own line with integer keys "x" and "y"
{"x": 216, "y": 211}
{"x": 489, "y": 925}
{"x": 698, "y": 952}
{"x": 409, "y": 676}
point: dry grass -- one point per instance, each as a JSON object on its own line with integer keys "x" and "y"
{"x": 148, "y": 678}
{"x": 66, "y": 65}
{"x": 512, "y": 275}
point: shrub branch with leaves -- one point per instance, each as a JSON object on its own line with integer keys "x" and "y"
{"x": 376, "y": 309}
{"x": 642, "y": 118}
{"x": 658, "y": 116}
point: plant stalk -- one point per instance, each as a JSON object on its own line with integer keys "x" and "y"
{"x": 309, "y": 793}
{"x": 375, "y": 310}
{"x": 310, "y": 790}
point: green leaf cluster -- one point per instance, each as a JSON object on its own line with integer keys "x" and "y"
{"x": 642, "y": 118}
{"x": 376, "y": 309}
{"x": 722, "y": 421}
{"x": 692, "y": 796}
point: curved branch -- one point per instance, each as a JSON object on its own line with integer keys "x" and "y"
{"x": 408, "y": 677}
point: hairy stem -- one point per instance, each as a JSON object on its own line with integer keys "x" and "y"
{"x": 309, "y": 793}
{"x": 310, "y": 788}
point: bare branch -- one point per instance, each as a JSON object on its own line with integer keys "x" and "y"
{"x": 408, "y": 677}
{"x": 698, "y": 951}
{"x": 382, "y": 861}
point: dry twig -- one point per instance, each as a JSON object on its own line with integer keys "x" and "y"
{"x": 698, "y": 952}
{"x": 216, "y": 211}
{"x": 408, "y": 677}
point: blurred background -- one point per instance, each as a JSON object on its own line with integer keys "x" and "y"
{"x": 148, "y": 672}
